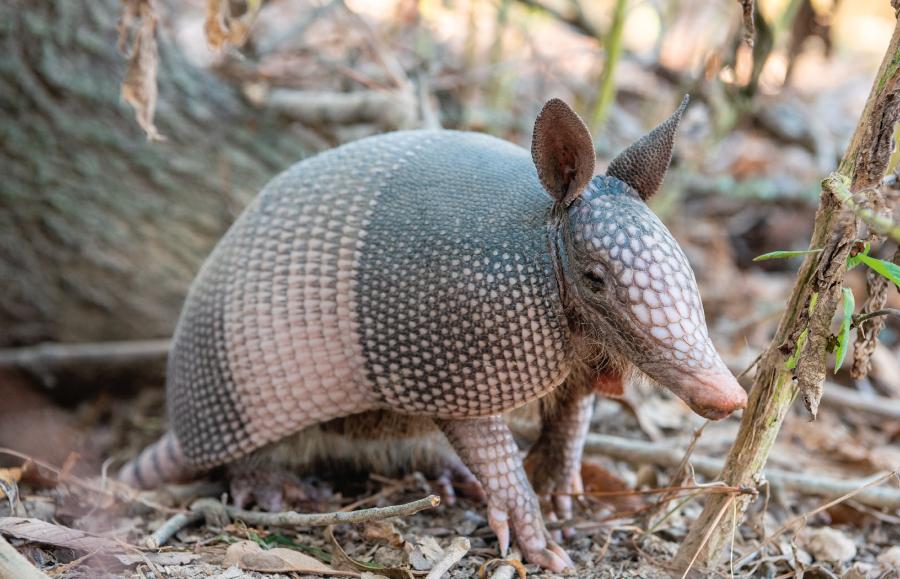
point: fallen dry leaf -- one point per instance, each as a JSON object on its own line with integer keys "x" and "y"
{"x": 424, "y": 553}
{"x": 139, "y": 86}
{"x": 598, "y": 479}
{"x": 249, "y": 556}
{"x": 50, "y": 534}
{"x": 60, "y": 536}
{"x": 340, "y": 559}
{"x": 383, "y": 531}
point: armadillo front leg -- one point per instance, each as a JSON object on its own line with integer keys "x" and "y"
{"x": 487, "y": 447}
{"x": 554, "y": 462}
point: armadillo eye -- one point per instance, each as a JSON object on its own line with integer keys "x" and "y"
{"x": 596, "y": 279}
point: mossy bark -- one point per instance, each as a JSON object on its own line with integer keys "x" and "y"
{"x": 813, "y": 299}
{"x": 101, "y": 231}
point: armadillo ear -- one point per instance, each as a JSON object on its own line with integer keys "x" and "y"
{"x": 563, "y": 151}
{"x": 644, "y": 164}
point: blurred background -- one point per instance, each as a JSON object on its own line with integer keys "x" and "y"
{"x": 128, "y": 147}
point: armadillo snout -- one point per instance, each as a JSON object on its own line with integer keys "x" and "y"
{"x": 711, "y": 394}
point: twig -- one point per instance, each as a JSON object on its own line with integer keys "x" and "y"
{"x": 456, "y": 551}
{"x": 292, "y": 519}
{"x": 859, "y": 319}
{"x": 838, "y": 396}
{"x": 50, "y": 356}
{"x": 640, "y": 452}
{"x": 14, "y": 564}
{"x": 805, "y": 516}
{"x": 162, "y": 535}
{"x": 747, "y": 21}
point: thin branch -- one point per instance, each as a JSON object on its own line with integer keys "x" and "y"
{"x": 292, "y": 519}
{"x": 162, "y": 535}
{"x": 859, "y": 319}
{"x": 50, "y": 356}
{"x": 641, "y": 452}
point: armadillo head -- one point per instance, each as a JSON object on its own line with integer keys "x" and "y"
{"x": 629, "y": 282}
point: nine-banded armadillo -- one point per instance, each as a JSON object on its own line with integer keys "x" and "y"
{"x": 430, "y": 274}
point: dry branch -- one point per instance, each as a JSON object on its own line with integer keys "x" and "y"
{"x": 168, "y": 529}
{"x": 52, "y": 356}
{"x": 291, "y": 519}
{"x": 812, "y": 300}
{"x": 641, "y": 452}
{"x": 211, "y": 509}
{"x": 388, "y": 110}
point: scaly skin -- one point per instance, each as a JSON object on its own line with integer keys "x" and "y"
{"x": 487, "y": 447}
{"x": 554, "y": 462}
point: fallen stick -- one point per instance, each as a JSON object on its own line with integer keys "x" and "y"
{"x": 285, "y": 519}
{"x": 456, "y": 551}
{"x": 640, "y": 452}
{"x": 14, "y": 564}
{"x": 292, "y": 519}
{"x": 50, "y": 356}
{"x": 838, "y": 396}
{"x": 162, "y": 535}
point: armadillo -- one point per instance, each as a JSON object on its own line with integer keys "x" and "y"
{"x": 449, "y": 277}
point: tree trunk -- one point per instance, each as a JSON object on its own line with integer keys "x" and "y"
{"x": 101, "y": 231}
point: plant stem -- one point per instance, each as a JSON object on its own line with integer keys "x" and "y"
{"x": 775, "y": 388}
{"x": 613, "y": 47}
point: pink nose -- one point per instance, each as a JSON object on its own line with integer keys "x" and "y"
{"x": 712, "y": 394}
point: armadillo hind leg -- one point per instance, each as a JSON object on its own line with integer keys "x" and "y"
{"x": 554, "y": 462}
{"x": 161, "y": 462}
{"x": 487, "y": 447}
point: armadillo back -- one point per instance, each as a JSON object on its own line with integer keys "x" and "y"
{"x": 408, "y": 271}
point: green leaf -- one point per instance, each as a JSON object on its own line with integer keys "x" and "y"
{"x": 885, "y": 268}
{"x": 844, "y": 334}
{"x": 782, "y": 254}
{"x": 855, "y": 260}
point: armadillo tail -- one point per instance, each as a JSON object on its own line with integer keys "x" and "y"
{"x": 161, "y": 462}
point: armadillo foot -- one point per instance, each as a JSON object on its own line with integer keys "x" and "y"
{"x": 487, "y": 447}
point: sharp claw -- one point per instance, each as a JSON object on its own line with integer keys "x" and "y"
{"x": 498, "y": 521}
{"x": 549, "y": 560}
{"x": 561, "y": 553}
